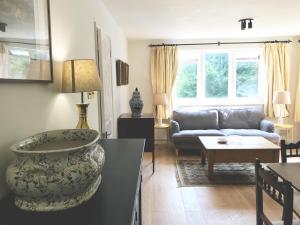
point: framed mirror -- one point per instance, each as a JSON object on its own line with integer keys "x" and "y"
{"x": 25, "y": 41}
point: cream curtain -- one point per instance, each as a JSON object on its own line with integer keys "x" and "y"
{"x": 277, "y": 66}
{"x": 297, "y": 99}
{"x": 164, "y": 63}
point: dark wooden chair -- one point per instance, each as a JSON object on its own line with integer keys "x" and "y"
{"x": 289, "y": 150}
{"x": 280, "y": 191}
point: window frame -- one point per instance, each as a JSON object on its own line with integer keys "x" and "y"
{"x": 231, "y": 99}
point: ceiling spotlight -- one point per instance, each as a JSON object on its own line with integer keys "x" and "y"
{"x": 3, "y": 27}
{"x": 250, "y": 25}
{"x": 244, "y": 23}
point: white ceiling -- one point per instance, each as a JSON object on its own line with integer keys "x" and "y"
{"x": 195, "y": 19}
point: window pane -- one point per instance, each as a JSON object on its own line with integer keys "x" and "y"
{"x": 247, "y": 78}
{"x": 216, "y": 75}
{"x": 186, "y": 81}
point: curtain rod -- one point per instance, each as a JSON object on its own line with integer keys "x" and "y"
{"x": 222, "y": 43}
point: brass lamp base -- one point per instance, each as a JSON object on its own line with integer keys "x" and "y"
{"x": 83, "y": 121}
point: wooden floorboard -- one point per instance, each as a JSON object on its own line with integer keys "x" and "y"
{"x": 166, "y": 204}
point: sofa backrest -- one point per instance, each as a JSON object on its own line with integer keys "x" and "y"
{"x": 197, "y": 120}
{"x": 248, "y": 118}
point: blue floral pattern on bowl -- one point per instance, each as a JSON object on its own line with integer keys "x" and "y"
{"x": 62, "y": 178}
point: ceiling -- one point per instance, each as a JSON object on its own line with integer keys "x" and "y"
{"x": 200, "y": 19}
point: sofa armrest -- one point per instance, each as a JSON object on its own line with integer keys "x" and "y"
{"x": 267, "y": 125}
{"x": 174, "y": 127}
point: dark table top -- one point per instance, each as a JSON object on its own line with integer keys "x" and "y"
{"x": 287, "y": 171}
{"x": 113, "y": 203}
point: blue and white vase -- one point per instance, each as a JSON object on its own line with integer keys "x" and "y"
{"x": 136, "y": 104}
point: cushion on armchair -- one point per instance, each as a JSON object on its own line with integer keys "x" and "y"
{"x": 197, "y": 120}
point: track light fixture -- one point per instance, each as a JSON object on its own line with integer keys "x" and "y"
{"x": 3, "y": 27}
{"x": 244, "y": 23}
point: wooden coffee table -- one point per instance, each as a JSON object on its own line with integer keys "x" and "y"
{"x": 239, "y": 149}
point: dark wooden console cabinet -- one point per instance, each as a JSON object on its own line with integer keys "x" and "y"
{"x": 116, "y": 202}
{"x": 142, "y": 127}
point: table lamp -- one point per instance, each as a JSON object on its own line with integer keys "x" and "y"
{"x": 81, "y": 76}
{"x": 159, "y": 100}
{"x": 281, "y": 98}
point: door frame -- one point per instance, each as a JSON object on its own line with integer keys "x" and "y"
{"x": 99, "y": 61}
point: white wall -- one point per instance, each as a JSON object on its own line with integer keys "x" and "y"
{"x": 30, "y": 108}
{"x": 139, "y": 61}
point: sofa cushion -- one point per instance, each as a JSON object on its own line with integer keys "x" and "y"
{"x": 273, "y": 137}
{"x": 190, "y": 136}
{"x": 197, "y": 120}
{"x": 248, "y": 118}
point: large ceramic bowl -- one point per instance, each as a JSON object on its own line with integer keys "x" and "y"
{"x": 56, "y": 170}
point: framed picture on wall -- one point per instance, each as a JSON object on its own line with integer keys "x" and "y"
{"x": 122, "y": 73}
{"x": 25, "y": 41}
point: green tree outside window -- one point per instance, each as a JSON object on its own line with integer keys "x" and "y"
{"x": 216, "y": 75}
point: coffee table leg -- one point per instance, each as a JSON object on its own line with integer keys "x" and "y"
{"x": 202, "y": 157}
{"x": 276, "y": 155}
{"x": 210, "y": 164}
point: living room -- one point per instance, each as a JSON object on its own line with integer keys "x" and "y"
{"x": 184, "y": 101}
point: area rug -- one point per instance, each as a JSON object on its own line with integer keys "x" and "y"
{"x": 191, "y": 173}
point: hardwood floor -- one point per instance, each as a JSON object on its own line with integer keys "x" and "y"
{"x": 166, "y": 204}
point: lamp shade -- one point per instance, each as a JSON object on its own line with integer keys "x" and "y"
{"x": 80, "y": 76}
{"x": 282, "y": 97}
{"x": 160, "y": 99}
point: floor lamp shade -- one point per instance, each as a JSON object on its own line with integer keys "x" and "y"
{"x": 80, "y": 76}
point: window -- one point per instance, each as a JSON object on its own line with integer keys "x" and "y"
{"x": 247, "y": 70}
{"x": 186, "y": 81}
{"x": 218, "y": 77}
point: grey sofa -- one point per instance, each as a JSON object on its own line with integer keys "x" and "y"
{"x": 187, "y": 125}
